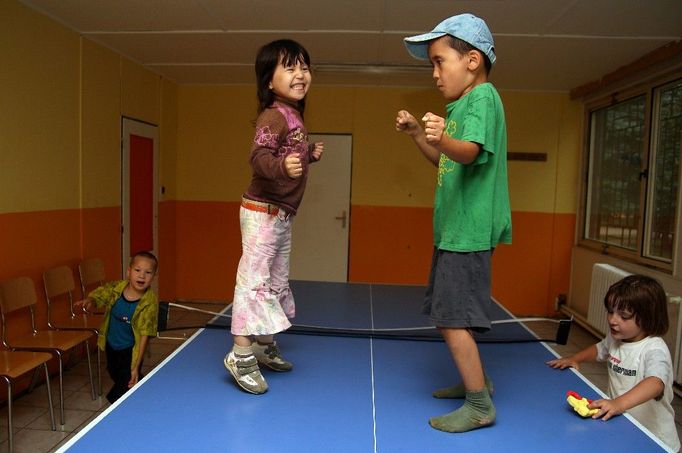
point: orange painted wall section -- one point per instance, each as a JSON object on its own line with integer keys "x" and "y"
{"x": 167, "y": 275}
{"x": 394, "y": 245}
{"x": 390, "y": 244}
{"x": 387, "y": 245}
{"x": 562, "y": 249}
{"x": 34, "y": 241}
{"x": 209, "y": 250}
{"x": 528, "y": 274}
{"x": 31, "y": 243}
{"x": 102, "y": 238}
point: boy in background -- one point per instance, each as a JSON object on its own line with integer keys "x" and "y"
{"x": 130, "y": 318}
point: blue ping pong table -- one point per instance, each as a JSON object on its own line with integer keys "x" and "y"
{"x": 352, "y": 394}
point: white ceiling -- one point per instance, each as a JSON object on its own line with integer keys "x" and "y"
{"x": 540, "y": 44}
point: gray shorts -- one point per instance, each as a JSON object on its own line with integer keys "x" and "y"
{"x": 458, "y": 295}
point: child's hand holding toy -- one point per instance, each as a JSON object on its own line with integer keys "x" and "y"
{"x": 580, "y": 404}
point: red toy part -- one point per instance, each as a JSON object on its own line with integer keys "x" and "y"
{"x": 577, "y": 396}
{"x": 580, "y": 404}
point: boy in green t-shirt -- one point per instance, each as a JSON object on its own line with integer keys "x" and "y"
{"x": 471, "y": 209}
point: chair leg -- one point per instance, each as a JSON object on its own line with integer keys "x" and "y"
{"x": 49, "y": 396}
{"x": 61, "y": 386}
{"x": 10, "y": 437}
{"x": 34, "y": 380}
{"x": 99, "y": 370}
{"x": 92, "y": 381}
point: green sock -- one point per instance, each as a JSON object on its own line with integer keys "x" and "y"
{"x": 478, "y": 411}
{"x": 458, "y": 391}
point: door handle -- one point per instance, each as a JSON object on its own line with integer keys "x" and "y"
{"x": 342, "y": 218}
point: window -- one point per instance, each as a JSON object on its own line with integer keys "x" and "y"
{"x": 613, "y": 208}
{"x": 633, "y": 174}
{"x": 666, "y": 144}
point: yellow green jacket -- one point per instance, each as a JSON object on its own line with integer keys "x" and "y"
{"x": 145, "y": 319}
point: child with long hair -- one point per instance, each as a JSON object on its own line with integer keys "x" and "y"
{"x": 638, "y": 360}
{"x": 280, "y": 158}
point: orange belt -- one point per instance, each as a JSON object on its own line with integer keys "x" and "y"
{"x": 260, "y": 206}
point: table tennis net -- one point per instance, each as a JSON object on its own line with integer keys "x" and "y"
{"x": 176, "y": 316}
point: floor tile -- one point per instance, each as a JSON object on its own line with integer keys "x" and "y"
{"x": 34, "y": 441}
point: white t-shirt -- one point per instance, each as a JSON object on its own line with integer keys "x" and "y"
{"x": 630, "y": 363}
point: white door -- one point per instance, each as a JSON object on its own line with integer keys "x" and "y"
{"x": 139, "y": 181}
{"x": 320, "y": 229}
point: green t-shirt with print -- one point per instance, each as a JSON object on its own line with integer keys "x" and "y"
{"x": 471, "y": 208}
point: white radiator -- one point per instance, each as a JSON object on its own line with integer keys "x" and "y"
{"x": 603, "y": 276}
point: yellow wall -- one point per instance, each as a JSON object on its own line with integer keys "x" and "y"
{"x": 387, "y": 169}
{"x": 39, "y": 141}
{"x": 60, "y": 194}
{"x": 101, "y": 126}
{"x": 168, "y": 144}
{"x": 214, "y": 125}
{"x": 215, "y": 131}
{"x": 392, "y": 187}
{"x": 543, "y": 123}
{"x": 140, "y": 93}
{"x": 60, "y": 124}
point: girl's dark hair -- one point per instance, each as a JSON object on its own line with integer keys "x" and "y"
{"x": 645, "y": 298}
{"x": 290, "y": 52}
{"x": 463, "y": 47}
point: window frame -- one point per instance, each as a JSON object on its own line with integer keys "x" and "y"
{"x": 655, "y": 148}
{"x": 646, "y": 86}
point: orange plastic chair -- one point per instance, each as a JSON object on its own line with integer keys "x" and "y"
{"x": 60, "y": 287}
{"x": 18, "y": 295}
{"x": 14, "y": 365}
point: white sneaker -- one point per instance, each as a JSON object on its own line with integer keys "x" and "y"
{"x": 269, "y": 355}
{"x": 245, "y": 371}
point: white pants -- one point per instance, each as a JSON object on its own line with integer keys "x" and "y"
{"x": 263, "y": 301}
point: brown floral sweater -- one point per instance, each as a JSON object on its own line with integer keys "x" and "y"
{"x": 279, "y": 132}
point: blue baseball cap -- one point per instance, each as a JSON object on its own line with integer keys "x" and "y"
{"x": 466, "y": 27}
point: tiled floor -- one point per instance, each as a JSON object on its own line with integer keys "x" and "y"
{"x": 32, "y": 432}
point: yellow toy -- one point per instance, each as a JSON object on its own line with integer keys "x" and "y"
{"x": 579, "y": 404}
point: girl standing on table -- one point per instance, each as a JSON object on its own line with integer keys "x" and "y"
{"x": 280, "y": 157}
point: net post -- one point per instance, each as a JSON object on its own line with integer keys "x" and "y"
{"x": 563, "y": 331}
{"x": 163, "y": 316}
